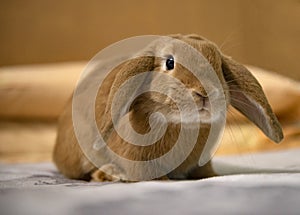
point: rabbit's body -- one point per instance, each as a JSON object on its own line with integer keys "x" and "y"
{"x": 72, "y": 162}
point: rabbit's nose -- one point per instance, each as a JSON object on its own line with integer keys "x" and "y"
{"x": 202, "y": 99}
{"x": 200, "y": 94}
{"x": 200, "y": 91}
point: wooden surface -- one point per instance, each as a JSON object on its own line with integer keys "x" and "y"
{"x": 26, "y": 142}
{"x": 37, "y": 92}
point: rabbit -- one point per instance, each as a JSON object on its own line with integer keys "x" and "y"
{"x": 241, "y": 90}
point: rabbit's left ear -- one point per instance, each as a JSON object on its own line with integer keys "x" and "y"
{"x": 247, "y": 96}
{"x": 123, "y": 73}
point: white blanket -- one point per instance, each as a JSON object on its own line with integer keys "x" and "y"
{"x": 40, "y": 189}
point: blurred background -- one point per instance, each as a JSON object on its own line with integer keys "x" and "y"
{"x": 45, "y": 44}
{"x": 264, "y": 33}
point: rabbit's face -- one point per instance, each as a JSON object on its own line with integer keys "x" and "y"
{"x": 183, "y": 82}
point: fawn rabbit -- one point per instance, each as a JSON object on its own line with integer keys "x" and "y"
{"x": 239, "y": 89}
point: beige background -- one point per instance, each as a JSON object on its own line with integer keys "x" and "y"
{"x": 264, "y": 33}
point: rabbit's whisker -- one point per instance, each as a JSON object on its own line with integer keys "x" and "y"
{"x": 233, "y": 80}
{"x": 244, "y": 103}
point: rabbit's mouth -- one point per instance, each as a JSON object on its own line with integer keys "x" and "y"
{"x": 205, "y": 115}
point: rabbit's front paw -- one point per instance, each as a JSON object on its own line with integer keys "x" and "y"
{"x": 108, "y": 172}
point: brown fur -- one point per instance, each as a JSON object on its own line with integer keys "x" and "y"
{"x": 71, "y": 161}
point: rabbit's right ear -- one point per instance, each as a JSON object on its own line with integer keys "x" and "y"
{"x": 248, "y": 97}
{"x": 124, "y": 72}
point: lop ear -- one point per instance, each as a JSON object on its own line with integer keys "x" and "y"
{"x": 121, "y": 74}
{"x": 248, "y": 97}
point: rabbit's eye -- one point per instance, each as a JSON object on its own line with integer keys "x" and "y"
{"x": 170, "y": 63}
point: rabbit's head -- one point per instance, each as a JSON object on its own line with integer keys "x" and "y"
{"x": 178, "y": 81}
{"x": 239, "y": 87}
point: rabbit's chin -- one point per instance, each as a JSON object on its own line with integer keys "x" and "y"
{"x": 204, "y": 117}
